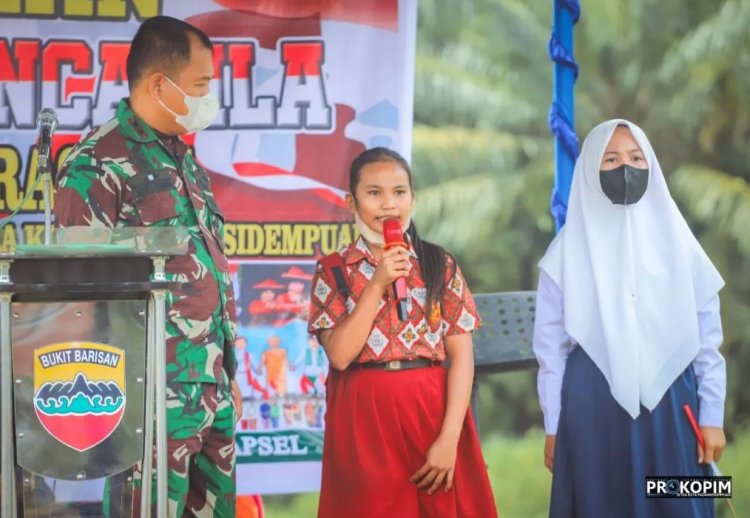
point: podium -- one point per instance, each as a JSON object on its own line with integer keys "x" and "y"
{"x": 83, "y": 371}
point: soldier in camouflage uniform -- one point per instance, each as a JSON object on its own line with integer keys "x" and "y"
{"x": 134, "y": 171}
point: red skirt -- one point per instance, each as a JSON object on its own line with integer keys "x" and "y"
{"x": 379, "y": 426}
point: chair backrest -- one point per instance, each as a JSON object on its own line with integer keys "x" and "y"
{"x": 504, "y": 342}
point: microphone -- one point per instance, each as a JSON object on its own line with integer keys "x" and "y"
{"x": 47, "y": 121}
{"x": 393, "y": 235}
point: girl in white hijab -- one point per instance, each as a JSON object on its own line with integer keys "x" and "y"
{"x": 627, "y": 332}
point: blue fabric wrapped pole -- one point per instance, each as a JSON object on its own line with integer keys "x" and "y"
{"x": 561, "y": 114}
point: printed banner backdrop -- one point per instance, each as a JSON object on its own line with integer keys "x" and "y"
{"x": 304, "y": 86}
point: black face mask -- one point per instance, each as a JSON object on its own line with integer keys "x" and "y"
{"x": 624, "y": 185}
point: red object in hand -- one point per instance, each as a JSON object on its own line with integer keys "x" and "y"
{"x": 694, "y": 425}
{"x": 393, "y": 235}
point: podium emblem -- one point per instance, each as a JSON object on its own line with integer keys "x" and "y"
{"x": 79, "y": 391}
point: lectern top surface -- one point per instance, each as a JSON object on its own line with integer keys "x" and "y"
{"x": 98, "y": 242}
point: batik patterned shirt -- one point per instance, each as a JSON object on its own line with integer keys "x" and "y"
{"x": 421, "y": 335}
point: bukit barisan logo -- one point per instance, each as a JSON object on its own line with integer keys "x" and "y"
{"x": 79, "y": 391}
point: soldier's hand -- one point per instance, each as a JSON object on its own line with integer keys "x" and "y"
{"x": 237, "y": 397}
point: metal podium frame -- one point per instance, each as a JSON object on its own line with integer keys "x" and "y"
{"x": 17, "y": 285}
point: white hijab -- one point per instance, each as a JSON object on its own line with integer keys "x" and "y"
{"x": 633, "y": 278}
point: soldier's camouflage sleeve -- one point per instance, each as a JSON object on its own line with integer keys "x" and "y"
{"x": 87, "y": 193}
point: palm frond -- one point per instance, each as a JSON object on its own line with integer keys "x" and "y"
{"x": 715, "y": 198}
{"x": 449, "y": 94}
{"x": 466, "y": 210}
{"x": 711, "y": 44}
{"x": 448, "y": 152}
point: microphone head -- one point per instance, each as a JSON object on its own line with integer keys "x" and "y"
{"x": 393, "y": 234}
{"x": 47, "y": 117}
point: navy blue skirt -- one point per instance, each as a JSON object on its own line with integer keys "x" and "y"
{"x": 602, "y": 455}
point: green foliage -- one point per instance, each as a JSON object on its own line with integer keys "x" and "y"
{"x": 717, "y": 200}
{"x": 304, "y": 505}
{"x": 508, "y": 403}
{"x": 520, "y": 482}
{"x": 482, "y": 152}
{"x": 736, "y": 463}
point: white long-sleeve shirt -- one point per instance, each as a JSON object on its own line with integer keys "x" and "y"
{"x": 552, "y": 345}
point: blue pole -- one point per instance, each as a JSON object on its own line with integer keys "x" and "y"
{"x": 562, "y": 111}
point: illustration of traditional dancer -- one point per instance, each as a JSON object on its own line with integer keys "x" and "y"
{"x": 295, "y": 302}
{"x": 275, "y": 363}
{"x": 249, "y": 384}
{"x": 314, "y": 365}
{"x": 263, "y": 310}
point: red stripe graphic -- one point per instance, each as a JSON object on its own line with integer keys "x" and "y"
{"x": 77, "y": 85}
{"x": 258, "y": 169}
{"x": 250, "y": 169}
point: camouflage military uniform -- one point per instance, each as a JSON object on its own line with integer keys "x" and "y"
{"x": 124, "y": 174}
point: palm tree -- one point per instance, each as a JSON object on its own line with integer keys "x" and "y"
{"x": 480, "y": 137}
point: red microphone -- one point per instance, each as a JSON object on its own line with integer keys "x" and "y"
{"x": 393, "y": 235}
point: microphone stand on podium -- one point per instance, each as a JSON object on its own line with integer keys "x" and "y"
{"x": 47, "y": 120}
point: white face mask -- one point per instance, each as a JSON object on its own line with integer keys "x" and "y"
{"x": 370, "y": 235}
{"x": 202, "y": 111}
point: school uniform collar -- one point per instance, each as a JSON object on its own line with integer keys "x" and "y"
{"x": 358, "y": 251}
